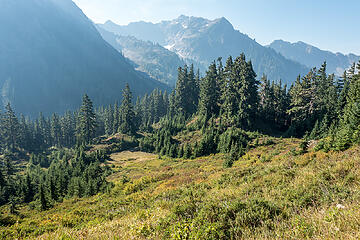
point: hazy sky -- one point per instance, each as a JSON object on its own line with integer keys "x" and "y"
{"x": 329, "y": 24}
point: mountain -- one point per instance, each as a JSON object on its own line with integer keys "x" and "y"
{"x": 203, "y": 41}
{"x": 145, "y": 31}
{"x": 313, "y": 57}
{"x": 153, "y": 59}
{"x": 51, "y": 54}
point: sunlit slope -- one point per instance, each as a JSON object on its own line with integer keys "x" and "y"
{"x": 271, "y": 192}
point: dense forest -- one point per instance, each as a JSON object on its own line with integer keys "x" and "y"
{"x": 47, "y": 159}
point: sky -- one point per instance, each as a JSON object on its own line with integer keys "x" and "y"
{"x": 328, "y": 24}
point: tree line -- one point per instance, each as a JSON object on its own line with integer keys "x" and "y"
{"x": 227, "y": 107}
{"x": 316, "y": 105}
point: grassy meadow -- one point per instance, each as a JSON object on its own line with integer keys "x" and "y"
{"x": 273, "y": 192}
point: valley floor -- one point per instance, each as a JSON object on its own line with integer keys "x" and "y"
{"x": 272, "y": 192}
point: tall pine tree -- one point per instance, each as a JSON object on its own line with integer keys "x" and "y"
{"x": 87, "y": 121}
{"x": 11, "y": 128}
{"x": 127, "y": 114}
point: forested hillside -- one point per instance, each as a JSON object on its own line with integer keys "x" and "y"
{"x": 224, "y": 120}
{"x": 51, "y": 53}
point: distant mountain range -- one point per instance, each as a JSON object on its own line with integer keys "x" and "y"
{"x": 202, "y": 41}
{"x": 313, "y": 57}
{"x": 151, "y": 58}
{"x": 51, "y": 54}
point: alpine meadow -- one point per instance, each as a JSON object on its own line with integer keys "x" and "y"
{"x": 177, "y": 129}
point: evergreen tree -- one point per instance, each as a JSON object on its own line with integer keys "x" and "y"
{"x": 116, "y": 118}
{"x": 240, "y": 93}
{"x": 228, "y": 95}
{"x": 25, "y": 130}
{"x": 208, "y": 102}
{"x": 44, "y": 204}
{"x": 180, "y": 90}
{"x": 11, "y": 129}
{"x": 267, "y": 99}
{"x": 192, "y": 89}
{"x": 303, "y": 106}
{"x": 172, "y": 104}
{"x": 68, "y": 129}
{"x": 55, "y": 130}
{"x": 87, "y": 121}
{"x": 109, "y": 120}
{"x": 186, "y": 91}
{"x": 29, "y": 190}
{"x": 127, "y": 115}
{"x": 247, "y": 90}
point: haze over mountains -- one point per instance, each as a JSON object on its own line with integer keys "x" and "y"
{"x": 51, "y": 54}
{"x": 202, "y": 41}
{"x": 313, "y": 57}
{"x": 153, "y": 59}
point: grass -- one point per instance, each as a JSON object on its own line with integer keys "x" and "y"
{"x": 268, "y": 193}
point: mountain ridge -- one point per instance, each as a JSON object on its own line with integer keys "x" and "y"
{"x": 51, "y": 54}
{"x": 203, "y": 41}
{"x": 312, "y": 56}
{"x": 148, "y": 57}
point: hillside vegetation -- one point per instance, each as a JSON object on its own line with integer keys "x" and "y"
{"x": 273, "y": 191}
{"x": 200, "y": 163}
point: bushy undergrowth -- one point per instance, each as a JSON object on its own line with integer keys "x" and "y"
{"x": 269, "y": 193}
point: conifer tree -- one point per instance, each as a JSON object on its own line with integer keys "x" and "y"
{"x": 343, "y": 86}
{"x": 29, "y": 189}
{"x": 186, "y": 91}
{"x": 208, "y": 102}
{"x": 68, "y": 129}
{"x": 87, "y": 121}
{"x": 267, "y": 99}
{"x": 228, "y": 94}
{"x": 11, "y": 130}
{"x": 180, "y": 90}
{"x": 304, "y": 104}
{"x": 248, "y": 104}
{"x": 116, "y": 118}
{"x": 109, "y": 120}
{"x": 25, "y": 136}
{"x": 192, "y": 96}
{"x": 55, "y": 130}
{"x": 351, "y": 118}
{"x": 43, "y": 198}
{"x": 127, "y": 115}
{"x": 172, "y": 104}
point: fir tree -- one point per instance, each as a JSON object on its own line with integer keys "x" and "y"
{"x": 116, "y": 118}
{"x": 208, "y": 102}
{"x": 228, "y": 95}
{"x": 127, "y": 115}
{"x": 87, "y": 121}
{"x": 267, "y": 99}
{"x": 55, "y": 130}
{"x": 180, "y": 90}
{"x": 44, "y": 204}
{"x": 109, "y": 120}
{"x": 11, "y": 130}
{"x": 186, "y": 91}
